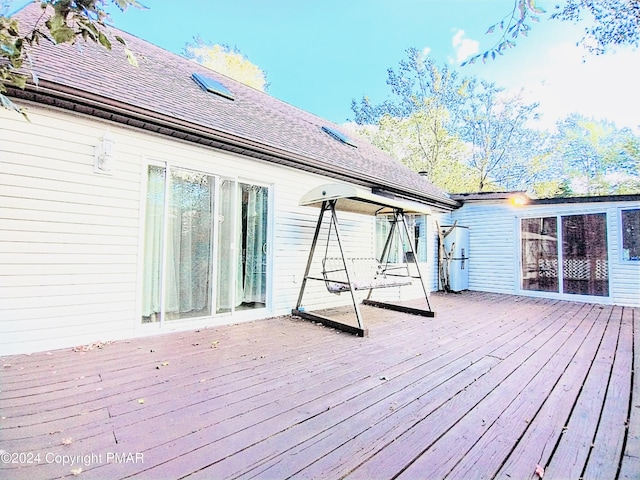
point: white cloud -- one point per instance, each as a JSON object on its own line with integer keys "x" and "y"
{"x": 603, "y": 87}
{"x": 464, "y": 47}
{"x": 426, "y": 51}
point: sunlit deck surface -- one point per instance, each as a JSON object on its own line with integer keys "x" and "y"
{"x": 491, "y": 387}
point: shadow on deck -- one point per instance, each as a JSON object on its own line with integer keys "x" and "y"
{"x": 492, "y": 387}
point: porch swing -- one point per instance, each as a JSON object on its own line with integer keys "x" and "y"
{"x": 350, "y": 274}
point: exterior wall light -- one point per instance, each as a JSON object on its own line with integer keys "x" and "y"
{"x": 104, "y": 155}
{"x": 519, "y": 200}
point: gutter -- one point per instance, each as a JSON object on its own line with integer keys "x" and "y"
{"x": 52, "y": 94}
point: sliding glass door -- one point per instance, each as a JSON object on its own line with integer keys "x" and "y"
{"x": 242, "y": 252}
{"x": 252, "y": 272}
{"x": 152, "y": 285}
{"x": 584, "y": 254}
{"x": 205, "y": 244}
{"x": 539, "y": 244}
{"x": 579, "y": 247}
{"x": 178, "y": 245}
{"x": 226, "y": 256}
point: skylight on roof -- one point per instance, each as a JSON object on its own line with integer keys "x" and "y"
{"x": 208, "y": 84}
{"x": 340, "y": 137}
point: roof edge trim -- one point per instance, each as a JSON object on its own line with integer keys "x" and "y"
{"x": 110, "y": 109}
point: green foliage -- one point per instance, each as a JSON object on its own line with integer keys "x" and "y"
{"x": 503, "y": 150}
{"x": 228, "y": 61}
{"x": 419, "y": 127}
{"x": 62, "y": 21}
{"x": 11, "y": 50}
{"x": 547, "y": 189}
{"x": 418, "y": 83}
{"x": 597, "y": 157}
{"x": 463, "y": 135}
{"x": 422, "y": 143}
{"x": 612, "y": 23}
{"x": 516, "y": 24}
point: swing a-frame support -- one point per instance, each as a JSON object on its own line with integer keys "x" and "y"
{"x": 343, "y": 274}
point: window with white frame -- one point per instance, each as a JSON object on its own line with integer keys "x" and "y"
{"x": 630, "y": 222}
{"x": 398, "y": 249}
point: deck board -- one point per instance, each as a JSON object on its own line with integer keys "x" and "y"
{"x": 491, "y": 387}
{"x": 575, "y": 444}
{"x": 544, "y": 430}
{"x": 489, "y": 451}
{"x": 630, "y": 464}
{"x": 608, "y": 443}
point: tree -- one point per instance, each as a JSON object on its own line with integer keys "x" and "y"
{"x": 62, "y": 21}
{"x": 228, "y": 61}
{"x": 463, "y": 135}
{"x": 612, "y": 23}
{"x": 552, "y": 188}
{"x": 515, "y": 24}
{"x": 504, "y": 152}
{"x": 420, "y": 142}
{"x": 417, "y": 81}
{"x": 418, "y": 127}
{"x": 632, "y": 149}
{"x": 597, "y": 157}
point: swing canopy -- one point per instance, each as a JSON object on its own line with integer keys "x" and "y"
{"x": 359, "y": 200}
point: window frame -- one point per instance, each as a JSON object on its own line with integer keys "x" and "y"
{"x": 399, "y": 254}
{"x": 621, "y": 230}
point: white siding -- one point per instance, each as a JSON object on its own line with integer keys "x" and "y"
{"x": 70, "y": 239}
{"x": 492, "y": 241}
{"x": 494, "y": 247}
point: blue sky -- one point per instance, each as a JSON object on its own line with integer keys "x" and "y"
{"x": 321, "y": 54}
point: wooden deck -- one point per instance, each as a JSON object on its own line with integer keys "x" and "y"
{"x": 492, "y": 387}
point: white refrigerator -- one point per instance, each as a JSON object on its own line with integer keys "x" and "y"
{"x": 458, "y": 240}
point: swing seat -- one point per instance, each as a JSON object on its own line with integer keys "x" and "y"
{"x": 368, "y": 274}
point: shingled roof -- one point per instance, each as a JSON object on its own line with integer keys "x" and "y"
{"x": 160, "y": 95}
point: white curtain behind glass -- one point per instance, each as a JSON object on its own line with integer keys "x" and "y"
{"x": 189, "y": 242}
{"x": 241, "y": 245}
{"x": 240, "y": 224}
{"x": 226, "y": 252}
{"x": 152, "y": 281}
{"x": 256, "y": 244}
{"x": 383, "y": 227}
